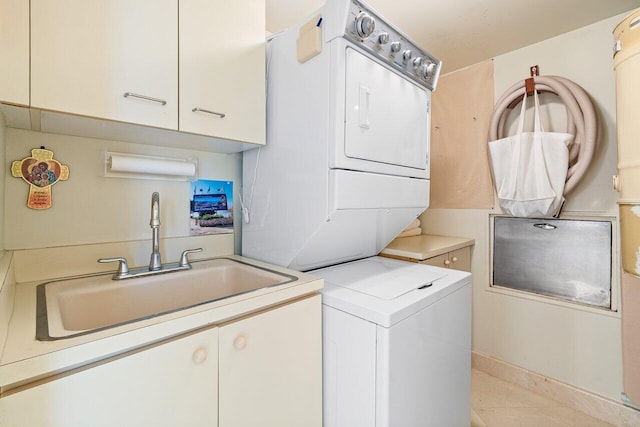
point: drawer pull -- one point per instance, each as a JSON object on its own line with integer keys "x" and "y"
{"x": 202, "y": 110}
{"x": 447, "y": 262}
{"x": 454, "y": 259}
{"x": 148, "y": 98}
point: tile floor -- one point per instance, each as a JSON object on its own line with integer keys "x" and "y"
{"x": 497, "y": 403}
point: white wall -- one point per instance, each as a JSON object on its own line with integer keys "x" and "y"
{"x": 581, "y": 347}
{"x": 90, "y": 208}
{"x": 7, "y": 282}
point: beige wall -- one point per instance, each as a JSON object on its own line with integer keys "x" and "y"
{"x": 3, "y": 168}
{"x": 90, "y": 208}
{"x": 581, "y": 347}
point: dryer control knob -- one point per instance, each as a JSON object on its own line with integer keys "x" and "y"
{"x": 383, "y": 38}
{"x": 407, "y": 55}
{"x": 365, "y": 24}
{"x": 417, "y": 62}
{"x": 422, "y": 71}
{"x": 426, "y": 70}
{"x": 431, "y": 69}
{"x": 396, "y": 46}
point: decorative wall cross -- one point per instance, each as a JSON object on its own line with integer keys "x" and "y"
{"x": 40, "y": 171}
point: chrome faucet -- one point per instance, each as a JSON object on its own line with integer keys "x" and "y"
{"x": 156, "y": 262}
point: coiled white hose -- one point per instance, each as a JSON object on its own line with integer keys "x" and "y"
{"x": 581, "y": 121}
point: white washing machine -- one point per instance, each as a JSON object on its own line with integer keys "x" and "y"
{"x": 397, "y": 345}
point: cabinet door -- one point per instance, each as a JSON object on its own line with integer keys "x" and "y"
{"x": 222, "y": 69}
{"x": 172, "y": 384}
{"x": 86, "y": 55}
{"x": 271, "y": 368}
{"x": 460, "y": 259}
{"x": 14, "y": 51}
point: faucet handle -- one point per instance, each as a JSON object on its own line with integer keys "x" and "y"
{"x": 123, "y": 268}
{"x": 184, "y": 258}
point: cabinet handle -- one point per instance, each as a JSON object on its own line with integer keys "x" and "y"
{"x": 148, "y": 98}
{"x": 200, "y": 355}
{"x": 202, "y": 110}
{"x": 447, "y": 262}
{"x": 240, "y": 342}
{"x": 454, "y": 259}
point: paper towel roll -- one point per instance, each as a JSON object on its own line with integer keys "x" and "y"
{"x": 120, "y": 163}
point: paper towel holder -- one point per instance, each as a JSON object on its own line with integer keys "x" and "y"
{"x": 138, "y": 166}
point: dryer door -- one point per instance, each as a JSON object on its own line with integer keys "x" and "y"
{"x": 386, "y": 115}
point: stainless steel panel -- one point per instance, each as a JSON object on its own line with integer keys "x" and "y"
{"x": 567, "y": 259}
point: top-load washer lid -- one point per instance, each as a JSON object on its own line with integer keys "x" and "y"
{"x": 385, "y": 291}
{"x": 381, "y": 279}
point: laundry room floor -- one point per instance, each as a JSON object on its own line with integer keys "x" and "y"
{"x": 497, "y": 403}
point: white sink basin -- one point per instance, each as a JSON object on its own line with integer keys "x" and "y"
{"x": 78, "y": 306}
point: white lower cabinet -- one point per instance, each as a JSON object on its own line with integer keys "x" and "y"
{"x": 263, "y": 370}
{"x": 173, "y": 383}
{"x": 271, "y": 368}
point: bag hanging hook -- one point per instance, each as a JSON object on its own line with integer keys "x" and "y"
{"x": 529, "y": 84}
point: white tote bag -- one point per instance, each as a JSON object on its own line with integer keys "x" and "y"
{"x": 530, "y": 168}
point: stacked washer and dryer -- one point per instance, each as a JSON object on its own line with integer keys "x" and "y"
{"x": 344, "y": 171}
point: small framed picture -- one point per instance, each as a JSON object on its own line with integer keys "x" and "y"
{"x": 211, "y": 207}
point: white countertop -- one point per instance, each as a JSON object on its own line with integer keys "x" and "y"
{"x": 25, "y": 359}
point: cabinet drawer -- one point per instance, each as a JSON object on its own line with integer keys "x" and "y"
{"x": 437, "y": 261}
{"x": 460, "y": 259}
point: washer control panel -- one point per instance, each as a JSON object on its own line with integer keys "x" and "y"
{"x": 368, "y": 30}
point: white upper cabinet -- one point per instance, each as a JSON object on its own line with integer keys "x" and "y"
{"x": 14, "y": 51}
{"x": 115, "y": 59}
{"x": 195, "y": 66}
{"x": 222, "y": 69}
